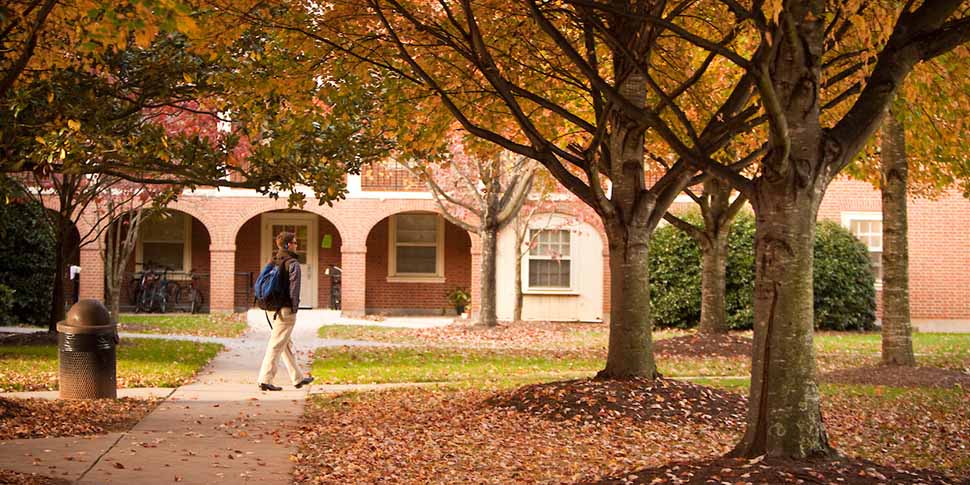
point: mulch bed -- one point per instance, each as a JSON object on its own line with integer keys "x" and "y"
{"x": 897, "y": 376}
{"x": 698, "y": 345}
{"x": 14, "y": 478}
{"x": 667, "y": 400}
{"x": 776, "y": 470}
{"x": 43, "y": 418}
{"x": 34, "y": 338}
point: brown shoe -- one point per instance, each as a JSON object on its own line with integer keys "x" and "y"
{"x": 306, "y": 380}
{"x": 269, "y": 387}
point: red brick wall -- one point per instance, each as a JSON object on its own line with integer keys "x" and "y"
{"x": 939, "y": 246}
{"x": 384, "y": 296}
{"x": 326, "y": 257}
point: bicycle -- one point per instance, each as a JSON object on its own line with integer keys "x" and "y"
{"x": 153, "y": 290}
{"x": 190, "y": 294}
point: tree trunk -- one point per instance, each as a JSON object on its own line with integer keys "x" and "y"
{"x": 517, "y": 308}
{"x": 714, "y": 283}
{"x": 487, "y": 313}
{"x": 630, "y": 351}
{"x": 58, "y": 312}
{"x": 784, "y": 416}
{"x": 897, "y": 340}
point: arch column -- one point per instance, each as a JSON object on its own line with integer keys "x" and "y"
{"x": 353, "y": 281}
{"x": 222, "y": 278}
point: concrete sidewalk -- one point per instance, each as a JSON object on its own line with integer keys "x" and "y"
{"x": 218, "y": 429}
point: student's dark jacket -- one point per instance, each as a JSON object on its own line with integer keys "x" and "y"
{"x": 293, "y": 269}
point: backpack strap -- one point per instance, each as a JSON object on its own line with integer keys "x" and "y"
{"x": 266, "y": 314}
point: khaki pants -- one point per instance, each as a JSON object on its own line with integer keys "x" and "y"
{"x": 280, "y": 346}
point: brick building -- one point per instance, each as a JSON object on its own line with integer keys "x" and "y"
{"x": 399, "y": 256}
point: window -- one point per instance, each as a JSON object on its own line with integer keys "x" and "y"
{"x": 867, "y": 226}
{"x": 550, "y": 264}
{"x": 416, "y": 246}
{"x": 166, "y": 240}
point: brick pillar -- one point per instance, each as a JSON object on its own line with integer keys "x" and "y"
{"x": 222, "y": 278}
{"x": 476, "y": 283}
{"x": 353, "y": 282}
{"x": 92, "y": 274}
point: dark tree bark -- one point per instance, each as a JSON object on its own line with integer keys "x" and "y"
{"x": 897, "y": 339}
{"x": 718, "y": 212}
{"x": 784, "y": 417}
{"x": 630, "y": 352}
{"x": 714, "y": 251}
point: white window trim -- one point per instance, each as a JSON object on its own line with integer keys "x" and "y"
{"x": 541, "y": 290}
{"x": 393, "y": 276}
{"x": 848, "y": 217}
{"x": 186, "y": 249}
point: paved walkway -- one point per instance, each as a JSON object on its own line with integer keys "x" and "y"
{"x": 218, "y": 429}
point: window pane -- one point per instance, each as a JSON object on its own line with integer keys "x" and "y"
{"x": 165, "y": 254}
{"x": 417, "y": 259}
{"x": 164, "y": 227}
{"x": 549, "y": 243}
{"x": 549, "y": 273}
{"x": 417, "y": 228}
{"x": 876, "y": 259}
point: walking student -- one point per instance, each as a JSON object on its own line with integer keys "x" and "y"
{"x": 284, "y": 320}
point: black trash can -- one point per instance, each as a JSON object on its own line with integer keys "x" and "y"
{"x": 86, "y": 343}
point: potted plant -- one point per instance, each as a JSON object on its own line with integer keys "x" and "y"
{"x": 459, "y": 298}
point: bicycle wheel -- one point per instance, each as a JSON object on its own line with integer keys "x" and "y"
{"x": 144, "y": 301}
{"x": 196, "y": 300}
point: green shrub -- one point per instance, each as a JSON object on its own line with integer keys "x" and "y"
{"x": 26, "y": 258}
{"x": 843, "y": 282}
{"x": 845, "y": 292}
{"x": 675, "y": 275}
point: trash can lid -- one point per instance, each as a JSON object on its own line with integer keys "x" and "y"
{"x": 86, "y": 316}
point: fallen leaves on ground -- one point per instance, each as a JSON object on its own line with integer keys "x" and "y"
{"x": 14, "y": 478}
{"x": 916, "y": 428}
{"x": 446, "y": 436}
{"x": 591, "y": 400}
{"x": 449, "y": 436}
{"x": 42, "y": 418}
{"x": 726, "y": 345}
{"x": 899, "y": 376}
{"x": 779, "y": 471}
{"x": 506, "y": 335}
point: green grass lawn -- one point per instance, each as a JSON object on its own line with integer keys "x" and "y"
{"x": 501, "y": 367}
{"x": 353, "y": 365}
{"x": 184, "y": 324}
{"x": 143, "y": 362}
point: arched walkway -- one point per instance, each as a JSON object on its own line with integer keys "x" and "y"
{"x": 171, "y": 241}
{"x": 319, "y": 242}
{"x": 413, "y": 260}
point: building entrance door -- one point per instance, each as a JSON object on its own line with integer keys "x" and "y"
{"x": 306, "y": 230}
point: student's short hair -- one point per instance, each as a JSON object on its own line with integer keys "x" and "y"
{"x": 284, "y": 238}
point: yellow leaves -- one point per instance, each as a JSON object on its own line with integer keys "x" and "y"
{"x": 40, "y": 140}
{"x": 188, "y": 77}
{"x": 74, "y": 125}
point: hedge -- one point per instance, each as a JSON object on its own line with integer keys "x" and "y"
{"x": 845, "y": 295}
{"x": 26, "y": 258}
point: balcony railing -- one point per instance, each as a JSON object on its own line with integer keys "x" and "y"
{"x": 389, "y": 177}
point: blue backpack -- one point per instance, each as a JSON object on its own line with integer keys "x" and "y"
{"x": 272, "y": 289}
